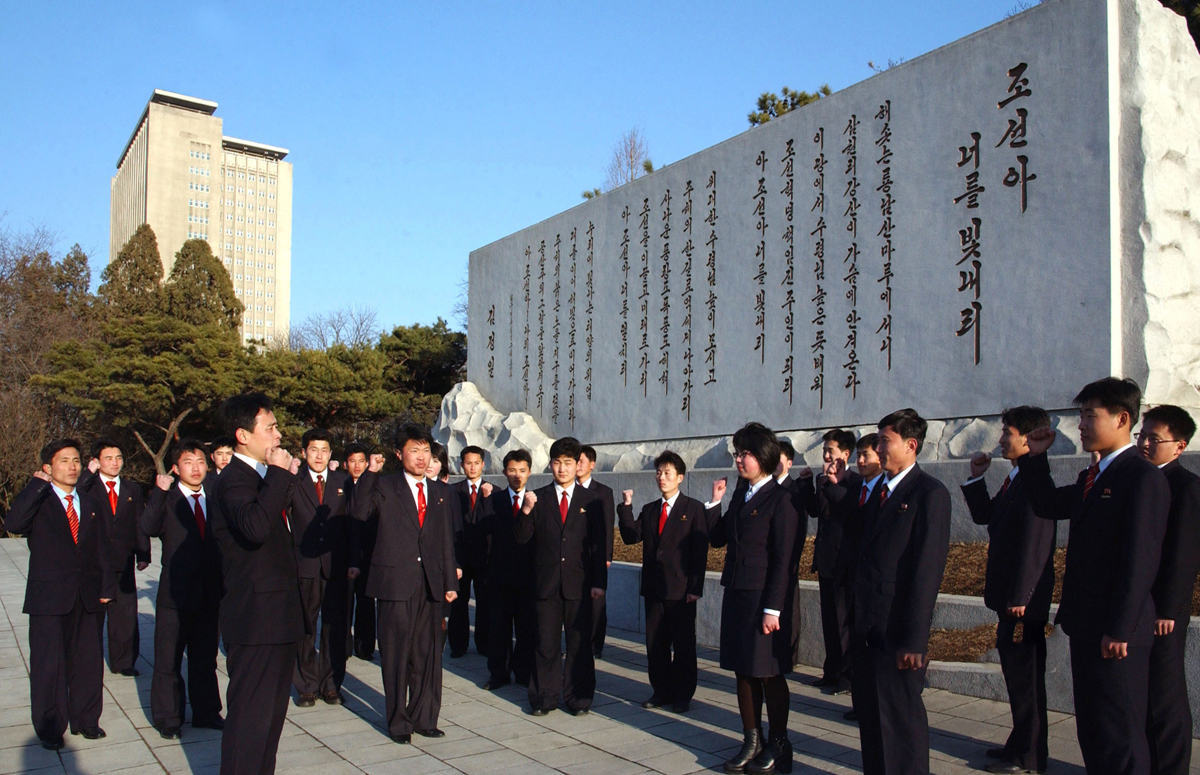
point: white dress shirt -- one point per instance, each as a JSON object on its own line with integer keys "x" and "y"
{"x": 191, "y": 499}
{"x": 261, "y": 468}
{"x": 116, "y": 480}
{"x": 62, "y": 497}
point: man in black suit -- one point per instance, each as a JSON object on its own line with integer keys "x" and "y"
{"x": 361, "y": 617}
{"x": 189, "y": 594}
{"x": 413, "y": 574}
{"x": 261, "y": 618}
{"x": 473, "y": 497}
{"x": 801, "y": 491}
{"x": 121, "y": 503}
{"x": 837, "y": 445}
{"x": 906, "y": 536}
{"x": 570, "y": 571}
{"x": 221, "y": 451}
{"x": 70, "y": 579}
{"x": 509, "y": 579}
{"x": 1118, "y": 510}
{"x": 673, "y": 532}
{"x": 1018, "y": 586}
{"x": 1166, "y": 431}
{"x": 603, "y": 495}
{"x": 319, "y": 520}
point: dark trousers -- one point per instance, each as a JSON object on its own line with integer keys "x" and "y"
{"x": 1169, "y": 717}
{"x": 321, "y": 653}
{"x": 671, "y": 624}
{"x": 892, "y": 723}
{"x": 1024, "y": 666}
{"x": 124, "y": 638}
{"x": 260, "y": 679}
{"x": 174, "y": 632}
{"x": 410, "y": 649}
{"x": 362, "y": 615}
{"x": 66, "y": 672}
{"x": 514, "y": 617}
{"x": 576, "y": 679}
{"x": 1110, "y": 707}
{"x": 599, "y": 624}
{"x": 835, "y": 630}
{"x": 458, "y": 630}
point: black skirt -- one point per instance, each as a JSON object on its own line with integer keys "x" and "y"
{"x": 744, "y": 647}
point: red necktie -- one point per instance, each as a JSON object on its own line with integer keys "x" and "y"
{"x": 516, "y": 504}
{"x": 662, "y": 519}
{"x": 199, "y": 516}
{"x": 112, "y": 497}
{"x": 421, "y": 503}
{"x": 1092, "y": 472}
{"x": 562, "y": 507}
{"x": 862, "y": 498}
{"x": 320, "y": 489}
{"x": 472, "y": 497}
{"x": 883, "y": 494}
{"x": 73, "y": 518}
{"x": 1004, "y": 487}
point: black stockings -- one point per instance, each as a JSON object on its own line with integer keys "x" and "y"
{"x": 752, "y": 691}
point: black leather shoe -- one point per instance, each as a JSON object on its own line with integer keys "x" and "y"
{"x": 598, "y": 654}
{"x": 776, "y": 756}
{"x": 306, "y": 700}
{"x": 541, "y": 711}
{"x": 91, "y": 733}
{"x": 364, "y": 656}
{"x": 457, "y": 654}
{"x": 681, "y": 707}
{"x": 818, "y": 682}
{"x": 52, "y": 745}
{"x": 997, "y": 753}
{"x": 492, "y": 686}
{"x": 655, "y": 702}
{"x": 333, "y": 698}
{"x": 850, "y": 715}
{"x": 402, "y": 739}
{"x": 579, "y": 711}
{"x": 170, "y": 733}
{"x": 840, "y": 691}
{"x": 1005, "y": 767}
{"x": 751, "y": 747}
{"x": 130, "y": 672}
{"x": 213, "y": 723}
{"x": 435, "y": 732}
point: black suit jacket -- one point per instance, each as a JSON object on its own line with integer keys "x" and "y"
{"x": 362, "y": 539}
{"x": 801, "y": 493}
{"x": 568, "y": 559}
{"x": 509, "y": 564}
{"x": 839, "y": 524}
{"x": 473, "y": 540}
{"x": 1020, "y": 565}
{"x": 61, "y": 571}
{"x": 125, "y": 536}
{"x": 673, "y": 563}
{"x": 903, "y": 557}
{"x": 321, "y": 530}
{"x": 258, "y": 556}
{"x": 759, "y": 537}
{"x": 604, "y": 495}
{"x": 408, "y": 558}
{"x": 1116, "y": 542}
{"x": 191, "y": 565}
{"x": 1172, "y": 591}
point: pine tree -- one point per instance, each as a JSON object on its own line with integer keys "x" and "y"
{"x": 131, "y": 284}
{"x": 199, "y": 290}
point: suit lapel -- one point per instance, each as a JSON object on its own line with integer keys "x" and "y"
{"x": 309, "y": 488}
{"x": 885, "y": 513}
{"x": 408, "y": 502}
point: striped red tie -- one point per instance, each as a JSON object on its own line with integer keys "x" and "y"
{"x": 1004, "y": 487}
{"x": 73, "y": 518}
{"x": 1092, "y": 472}
{"x": 421, "y": 504}
{"x": 883, "y": 495}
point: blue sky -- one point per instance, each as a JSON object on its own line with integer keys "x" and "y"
{"x": 418, "y": 131}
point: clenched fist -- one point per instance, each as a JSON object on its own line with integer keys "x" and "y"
{"x": 1040, "y": 440}
{"x": 376, "y": 464}
{"x": 529, "y": 503}
{"x": 280, "y": 458}
{"x": 485, "y": 489}
{"x": 93, "y": 465}
{"x": 333, "y": 465}
{"x": 980, "y": 464}
{"x": 164, "y": 481}
{"x": 627, "y": 495}
{"x": 718, "y": 489}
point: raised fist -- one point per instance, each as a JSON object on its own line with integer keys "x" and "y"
{"x": 294, "y": 467}
{"x": 1040, "y": 440}
{"x": 376, "y": 464}
{"x": 164, "y": 481}
{"x": 485, "y": 489}
{"x": 980, "y": 464}
{"x": 628, "y": 496}
{"x": 280, "y": 457}
{"x": 45, "y": 477}
{"x": 834, "y": 469}
{"x": 333, "y": 465}
{"x": 93, "y": 465}
{"x": 806, "y": 473}
{"x": 718, "y": 489}
{"x": 530, "y": 502}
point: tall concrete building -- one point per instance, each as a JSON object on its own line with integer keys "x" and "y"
{"x": 181, "y": 174}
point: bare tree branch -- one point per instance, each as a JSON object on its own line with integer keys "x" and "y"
{"x": 629, "y": 160}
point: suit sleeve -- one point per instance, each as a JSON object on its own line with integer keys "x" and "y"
{"x": 365, "y": 498}
{"x": 142, "y": 551}
{"x": 26, "y": 506}
{"x": 87, "y": 481}
{"x": 597, "y": 532}
{"x": 715, "y": 519}
{"x": 928, "y": 546}
{"x": 1181, "y": 560}
{"x": 1037, "y": 542}
{"x": 110, "y": 571}
{"x": 252, "y": 512}
{"x": 458, "y": 516}
{"x": 697, "y": 548}
{"x": 1141, "y": 547}
{"x": 610, "y": 519}
{"x": 978, "y": 502}
{"x": 523, "y": 524}
{"x": 781, "y": 544}
{"x": 155, "y": 514}
{"x": 631, "y": 528}
{"x": 1047, "y": 500}
{"x": 450, "y": 547}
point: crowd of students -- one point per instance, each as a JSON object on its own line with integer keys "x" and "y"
{"x": 297, "y": 564}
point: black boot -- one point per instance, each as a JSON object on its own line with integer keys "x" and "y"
{"x": 751, "y": 746}
{"x": 776, "y": 757}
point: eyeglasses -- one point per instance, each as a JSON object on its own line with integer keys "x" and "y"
{"x": 1153, "y": 440}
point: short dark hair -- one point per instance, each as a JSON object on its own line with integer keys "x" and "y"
{"x": 222, "y": 441}
{"x": 471, "y": 450}
{"x": 759, "y": 442}
{"x": 588, "y": 451}
{"x": 316, "y": 434}
{"x": 868, "y": 440}
{"x": 56, "y": 446}
{"x": 187, "y": 445}
{"x": 669, "y": 458}
{"x": 439, "y": 452}
{"x": 518, "y": 456}
{"x": 1178, "y": 421}
{"x": 241, "y": 412}
{"x": 907, "y": 424}
{"x": 355, "y": 448}
{"x": 1115, "y": 395}
{"x": 103, "y": 443}
{"x": 843, "y": 438}
{"x": 567, "y": 446}
{"x": 1025, "y": 418}
{"x": 413, "y": 432}
{"x": 786, "y": 449}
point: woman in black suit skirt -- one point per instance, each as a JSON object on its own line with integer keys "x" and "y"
{"x": 758, "y": 533}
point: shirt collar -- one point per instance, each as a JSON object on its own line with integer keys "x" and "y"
{"x": 559, "y": 490}
{"x": 870, "y": 483}
{"x": 476, "y": 483}
{"x": 512, "y": 494}
{"x": 261, "y": 468}
{"x": 314, "y": 474}
{"x": 782, "y": 478}
{"x": 754, "y": 488}
{"x": 183, "y": 488}
{"x": 1013, "y": 473}
{"x": 1111, "y": 456}
{"x": 671, "y": 501}
{"x": 414, "y": 481}
{"x": 64, "y": 493}
{"x": 892, "y": 482}
{"x": 584, "y": 482}
{"x": 114, "y": 479}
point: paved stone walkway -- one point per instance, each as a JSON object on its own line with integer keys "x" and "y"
{"x": 486, "y": 733}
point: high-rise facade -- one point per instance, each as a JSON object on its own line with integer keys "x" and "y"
{"x": 182, "y": 175}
